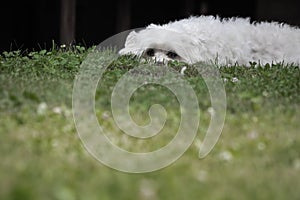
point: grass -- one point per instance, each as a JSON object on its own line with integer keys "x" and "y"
{"x": 257, "y": 156}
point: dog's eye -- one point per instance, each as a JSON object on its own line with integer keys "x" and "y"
{"x": 172, "y": 55}
{"x": 150, "y": 52}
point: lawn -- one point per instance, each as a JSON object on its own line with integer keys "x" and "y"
{"x": 42, "y": 157}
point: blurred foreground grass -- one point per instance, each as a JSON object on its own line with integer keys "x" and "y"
{"x": 257, "y": 156}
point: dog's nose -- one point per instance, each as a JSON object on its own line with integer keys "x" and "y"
{"x": 161, "y": 61}
{"x": 160, "y": 58}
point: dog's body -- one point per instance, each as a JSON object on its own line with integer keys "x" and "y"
{"x": 226, "y": 42}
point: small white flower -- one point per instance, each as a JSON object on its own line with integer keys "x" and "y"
{"x": 147, "y": 190}
{"x": 105, "y": 115}
{"x": 265, "y": 94}
{"x": 202, "y": 176}
{"x": 252, "y": 135}
{"x": 234, "y": 79}
{"x": 225, "y": 80}
{"x": 211, "y": 111}
{"x": 225, "y": 156}
{"x": 42, "y": 108}
{"x": 182, "y": 70}
{"x": 63, "y": 46}
{"x": 57, "y": 110}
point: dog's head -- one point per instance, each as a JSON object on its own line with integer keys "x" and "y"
{"x": 162, "y": 45}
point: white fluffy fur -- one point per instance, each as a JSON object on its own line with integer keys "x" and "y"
{"x": 225, "y": 41}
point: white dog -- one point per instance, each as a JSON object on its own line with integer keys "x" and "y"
{"x": 222, "y": 41}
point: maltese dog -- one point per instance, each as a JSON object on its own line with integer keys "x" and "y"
{"x": 221, "y": 41}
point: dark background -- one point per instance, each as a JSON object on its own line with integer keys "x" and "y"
{"x": 34, "y": 24}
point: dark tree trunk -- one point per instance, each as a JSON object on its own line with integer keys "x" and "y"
{"x": 67, "y": 21}
{"x": 188, "y": 8}
{"x": 123, "y": 15}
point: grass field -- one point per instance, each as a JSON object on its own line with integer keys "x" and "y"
{"x": 42, "y": 157}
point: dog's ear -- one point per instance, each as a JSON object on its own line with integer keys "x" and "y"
{"x": 131, "y": 38}
{"x": 130, "y": 44}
